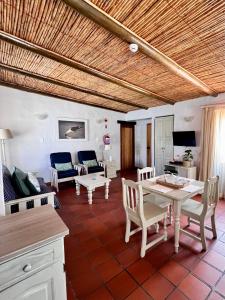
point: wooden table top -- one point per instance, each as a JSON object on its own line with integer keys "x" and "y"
{"x": 174, "y": 194}
{"x": 24, "y": 231}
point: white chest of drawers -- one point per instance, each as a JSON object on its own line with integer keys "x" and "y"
{"x": 110, "y": 168}
{"x": 32, "y": 256}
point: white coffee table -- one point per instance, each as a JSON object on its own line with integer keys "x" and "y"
{"x": 91, "y": 182}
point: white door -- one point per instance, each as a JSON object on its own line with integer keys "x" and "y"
{"x": 48, "y": 284}
{"x": 163, "y": 142}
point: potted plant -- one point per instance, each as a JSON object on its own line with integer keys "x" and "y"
{"x": 187, "y": 158}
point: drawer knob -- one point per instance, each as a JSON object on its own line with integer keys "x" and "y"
{"x": 27, "y": 268}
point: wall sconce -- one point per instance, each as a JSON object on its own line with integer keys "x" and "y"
{"x": 188, "y": 119}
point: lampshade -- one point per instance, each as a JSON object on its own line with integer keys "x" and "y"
{"x": 5, "y": 134}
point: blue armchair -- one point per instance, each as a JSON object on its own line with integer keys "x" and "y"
{"x": 89, "y": 163}
{"x": 62, "y": 168}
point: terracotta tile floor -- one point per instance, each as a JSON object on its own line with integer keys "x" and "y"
{"x": 100, "y": 265}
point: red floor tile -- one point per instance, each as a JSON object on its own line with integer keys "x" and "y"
{"x": 215, "y": 296}
{"x": 117, "y": 246}
{"x": 121, "y": 286}
{"x": 221, "y": 286}
{"x": 158, "y": 287}
{"x": 177, "y": 295}
{"x": 100, "y": 293}
{"x": 174, "y": 272}
{"x": 109, "y": 269}
{"x": 193, "y": 288}
{"x": 127, "y": 257}
{"x": 215, "y": 259}
{"x": 139, "y": 294}
{"x": 141, "y": 270}
{"x": 206, "y": 273}
{"x": 187, "y": 258}
{"x": 98, "y": 256}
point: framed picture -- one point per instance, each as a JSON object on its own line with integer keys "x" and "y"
{"x": 72, "y": 129}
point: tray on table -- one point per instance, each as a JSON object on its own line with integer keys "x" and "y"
{"x": 179, "y": 184}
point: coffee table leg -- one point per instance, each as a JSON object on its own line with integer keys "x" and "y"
{"x": 177, "y": 211}
{"x": 77, "y": 188}
{"x": 107, "y": 191}
{"x": 89, "y": 196}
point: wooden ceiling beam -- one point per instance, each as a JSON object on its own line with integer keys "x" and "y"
{"x": 69, "y": 86}
{"x": 55, "y": 95}
{"x": 91, "y": 11}
{"x": 80, "y": 66}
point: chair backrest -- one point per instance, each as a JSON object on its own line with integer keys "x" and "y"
{"x": 145, "y": 173}
{"x": 211, "y": 193}
{"x": 86, "y": 155}
{"x": 60, "y": 158}
{"x": 133, "y": 199}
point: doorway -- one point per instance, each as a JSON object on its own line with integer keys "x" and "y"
{"x": 149, "y": 144}
{"x": 127, "y": 144}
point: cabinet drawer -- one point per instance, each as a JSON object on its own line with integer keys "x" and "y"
{"x": 25, "y": 265}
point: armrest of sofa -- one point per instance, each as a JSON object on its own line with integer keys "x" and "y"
{"x": 22, "y": 202}
{"x": 77, "y": 167}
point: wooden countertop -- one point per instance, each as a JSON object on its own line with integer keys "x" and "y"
{"x": 24, "y": 231}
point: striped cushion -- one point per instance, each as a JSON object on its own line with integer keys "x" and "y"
{"x": 9, "y": 192}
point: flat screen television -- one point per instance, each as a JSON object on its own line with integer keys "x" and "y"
{"x": 184, "y": 138}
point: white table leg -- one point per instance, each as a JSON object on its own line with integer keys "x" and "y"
{"x": 89, "y": 196}
{"x": 107, "y": 191}
{"x": 177, "y": 211}
{"x": 77, "y": 188}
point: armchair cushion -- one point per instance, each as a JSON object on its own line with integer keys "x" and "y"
{"x": 90, "y": 163}
{"x": 95, "y": 169}
{"x": 60, "y": 158}
{"x": 86, "y": 155}
{"x": 68, "y": 173}
{"x": 63, "y": 166}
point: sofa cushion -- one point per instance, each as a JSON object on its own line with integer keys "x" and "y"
{"x": 86, "y": 155}
{"x": 19, "y": 181}
{"x": 32, "y": 183}
{"x": 68, "y": 173}
{"x": 63, "y": 166}
{"x": 95, "y": 169}
{"x": 9, "y": 191}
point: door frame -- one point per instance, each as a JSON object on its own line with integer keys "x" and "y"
{"x": 149, "y": 123}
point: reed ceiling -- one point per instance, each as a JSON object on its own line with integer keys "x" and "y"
{"x": 192, "y": 33}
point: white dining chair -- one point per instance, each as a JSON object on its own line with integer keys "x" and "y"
{"x": 142, "y": 214}
{"x": 197, "y": 212}
{"x": 148, "y": 173}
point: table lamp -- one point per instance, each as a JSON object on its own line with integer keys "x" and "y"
{"x": 5, "y": 134}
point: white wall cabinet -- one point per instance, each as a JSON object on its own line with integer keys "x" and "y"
{"x": 163, "y": 142}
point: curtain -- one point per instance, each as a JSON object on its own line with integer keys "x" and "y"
{"x": 212, "y": 160}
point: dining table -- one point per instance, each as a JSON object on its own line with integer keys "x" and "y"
{"x": 177, "y": 196}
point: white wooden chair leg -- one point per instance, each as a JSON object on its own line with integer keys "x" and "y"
{"x": 170, "y": 215}
{"x": 156, "y": 227}
{"x": 165, "y": 228}
{"x": 189, "y": 221}
{"x": 213, "y": 222}
{"x": 144, "y": 241}
{"x": 202, "y": 232}
{"x": 127, "y": 235}
{"x": 57, "y": 185}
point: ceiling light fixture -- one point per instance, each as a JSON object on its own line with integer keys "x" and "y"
{"x": 133, "y": 48}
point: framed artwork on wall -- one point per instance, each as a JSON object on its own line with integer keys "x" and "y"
{"x": 72, "y": 129}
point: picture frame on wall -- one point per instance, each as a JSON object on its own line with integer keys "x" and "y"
{"x": 72, "y": 129}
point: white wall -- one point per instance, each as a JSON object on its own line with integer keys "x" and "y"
{"x": 179, "y": 110}
{"x": 35, "y": 139}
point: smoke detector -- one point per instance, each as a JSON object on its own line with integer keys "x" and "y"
{"x": 133, "y": 48}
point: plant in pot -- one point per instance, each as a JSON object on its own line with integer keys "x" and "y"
{"x": 187, "y": 158}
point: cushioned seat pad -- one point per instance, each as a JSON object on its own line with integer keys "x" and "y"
{"x": 192, "y": 206}
{"x": 68, "y": 173}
